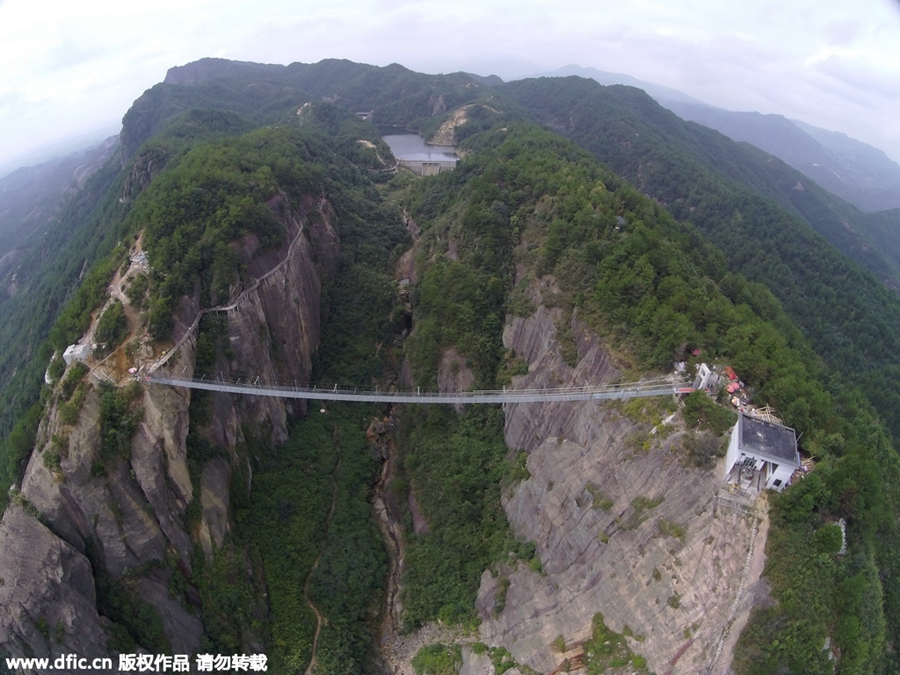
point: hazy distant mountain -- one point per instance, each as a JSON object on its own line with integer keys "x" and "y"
{"x": 487, "y": 80}
{"x": 857, "y": 172}
{"x": 851, "y": 169}
{"x": 31, "y": 197}
{"x": 55, "y": 150}
{"x": 659, "y": 92}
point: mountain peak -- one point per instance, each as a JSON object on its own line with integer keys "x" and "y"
{"x": 211, "y": 68}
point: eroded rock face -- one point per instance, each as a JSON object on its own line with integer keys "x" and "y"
{"x": 476, "y": 664}
{"x": 274, "y": 329}
{"x": 47, "y": 599}
{"x": 534, "y": 340}
{"x": 620, "y": 530}
{"x": 446, "y": 133}
{"x": 145, "y": 166}
{"x": 214, "y": 502}
{"x": 159, "y": 462}
{"x": 92, "y": 499}
{"x": 454, "y": 374}
{"x": 125, "y": 515}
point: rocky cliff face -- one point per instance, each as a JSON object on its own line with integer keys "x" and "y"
{"x": 146, "y": 165}
{"x": 61, "y": 608}
{"x": 87, "y": 515}
{"x": 622, "y": 527}
{"x": 274, "y": 329}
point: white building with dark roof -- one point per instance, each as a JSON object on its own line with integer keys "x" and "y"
{"x": 762, "y": 454}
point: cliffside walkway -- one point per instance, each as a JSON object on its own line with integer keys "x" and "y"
{"x": 343, "y": 393}
{"x": 160, "y": 362}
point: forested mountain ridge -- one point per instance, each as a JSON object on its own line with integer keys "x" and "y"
{"x": 224, "y": 98}
{"x": 183, "y": 161}
{"x": 46, "y": 278}
{"x": 393, "y": 95}
{"x": 610, "y": 283}
{"x": 669, "y": 138}
{"x": 210, "y": 522}
{"x": 33, "y": 202}
{"x": 747, "y": 210}
{"x": 31, "y": 197}
{"x": 855, "y": 171}
{"x": 218, "y": 211}
{"x": 882, "y": 229}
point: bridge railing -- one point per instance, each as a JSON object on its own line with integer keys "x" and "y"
{"x": 344, "y": 392}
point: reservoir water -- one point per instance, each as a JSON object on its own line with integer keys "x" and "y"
{"x": 412, "y": 147}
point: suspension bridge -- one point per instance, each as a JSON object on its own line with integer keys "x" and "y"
{"x": 661, "y": 387}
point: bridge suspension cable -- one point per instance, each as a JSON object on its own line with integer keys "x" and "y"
{"x": 343, "y": 393}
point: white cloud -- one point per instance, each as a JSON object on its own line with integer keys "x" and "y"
{"x": 829, "y": 52}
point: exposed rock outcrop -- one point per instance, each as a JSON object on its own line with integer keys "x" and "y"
{"x": 146, "y": 165}
{"x": 621, "y": 530}
{"x": 476, "y": 664}
{"x": 454, "y": 374}
{"x": 56, "y": 616}
{"x": 273, "y": 330}
{"x": 204, "y": 70}
{"x": 214, "y": 503}
{"x": 535, "y": 340}
{"x": 446, "y": 133}
{"x": 124, "y": 515}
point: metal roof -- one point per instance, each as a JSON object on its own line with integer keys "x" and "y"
{"x": 768, "y": 440}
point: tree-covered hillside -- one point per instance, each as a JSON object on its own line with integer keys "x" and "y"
{"x": 31, "y": 197}
{"x": 701, "y": 177}
{"x": 394, "y": 95}
{"x": 883, "y": 230}
{"x": 857, "y": 172}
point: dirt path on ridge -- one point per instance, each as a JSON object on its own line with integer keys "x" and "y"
{"x": 115, "y": 363}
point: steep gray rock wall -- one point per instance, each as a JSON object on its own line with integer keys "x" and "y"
{"x": 600, "y": 509}
{"x": 275, "y": 328}
{"x": 534, "y": 340}
{"x": 57, "y": 615}
{"x": 126, "y": 516}
{"x": 83, "y": 502}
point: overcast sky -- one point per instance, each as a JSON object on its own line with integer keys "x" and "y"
{"x": 73, "y": 68}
